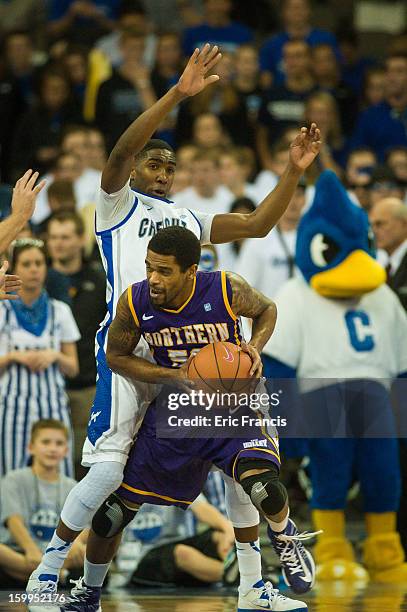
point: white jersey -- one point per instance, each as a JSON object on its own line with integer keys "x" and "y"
{"x": 125, "y": 223}
{"x": 325, "y": 338}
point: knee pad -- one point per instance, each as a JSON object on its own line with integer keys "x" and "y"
{"x": 112, "y": 517}
{"x": 265, "y": 490}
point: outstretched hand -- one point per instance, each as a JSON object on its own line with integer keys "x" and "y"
{"x": 305, "y": 147}
{"x": 194, "y": 78}
{"x": 9, "y": 284}
{"x": 25, "y": 193}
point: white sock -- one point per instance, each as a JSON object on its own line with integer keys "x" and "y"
{"x": 55, "y": 555}
{"x": 95, "y": 573}
{"x": 249, "y": 558}
{"x": 278, "y": 527}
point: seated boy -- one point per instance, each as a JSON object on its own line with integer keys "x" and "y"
{"x": 31, "y": 501}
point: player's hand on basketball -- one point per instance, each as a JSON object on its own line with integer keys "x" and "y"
{"x": 197, "y": 74}
{"x": 305, "y": 147}
{"x": 182, "y": 379}
{"x": 9, "y": 284}
{"x": 257, "y": 366}
{"x": 24, "y": 194}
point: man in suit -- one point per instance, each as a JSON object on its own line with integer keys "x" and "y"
{"x": 389, "y": 223}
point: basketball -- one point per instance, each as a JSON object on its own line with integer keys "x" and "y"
{"x": 221, "y": 366}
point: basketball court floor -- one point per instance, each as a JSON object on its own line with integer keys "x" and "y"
{"x": 332, "y": 597}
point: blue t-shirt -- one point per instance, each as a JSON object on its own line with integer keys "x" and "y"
{"x": 271, "y": 53}
{"x": 227, "y": 37}
{"x": 380, "y": 127}
{"x": 58, "y": 8}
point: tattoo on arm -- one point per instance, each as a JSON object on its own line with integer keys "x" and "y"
{"x": 124, "y": 335}
{"x": 246, "y": 301}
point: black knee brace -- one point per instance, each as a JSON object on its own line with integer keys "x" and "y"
{"x": 265, "y": 490}
{"x": 112, "y": 517}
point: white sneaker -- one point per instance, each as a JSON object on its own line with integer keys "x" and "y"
{"x": 40, "y": 584}
{"x": 264, "y": 597}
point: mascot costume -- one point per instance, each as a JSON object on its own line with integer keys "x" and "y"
{"x": 343, "y": 333}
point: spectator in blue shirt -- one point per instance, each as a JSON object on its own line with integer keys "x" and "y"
{"x": 217, "y": 29}
{"x": 295, "y": 15}
{"x": 385, "y": 125}
{"x": 80, "y": 20}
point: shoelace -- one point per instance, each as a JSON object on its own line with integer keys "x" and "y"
{"x": 79, "y": 591}
{"x": 48, "y": 587}
{"x": 273, "y": 595}
{"x": 287, "y": 547}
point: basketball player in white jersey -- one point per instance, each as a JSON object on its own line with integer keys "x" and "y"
{"x": 126, "y": 219}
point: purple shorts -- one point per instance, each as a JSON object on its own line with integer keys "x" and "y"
{"x": 168, "y": 472}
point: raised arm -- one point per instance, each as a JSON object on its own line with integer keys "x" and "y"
{"x": 229, "y": 227}
{"x": 124, "y": 336}
{"x": 248, "y": 302}
{"x": 22, "y": 208}
{"x": 193, "y": 80}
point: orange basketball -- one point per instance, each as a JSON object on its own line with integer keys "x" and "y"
{"x": 221, "y": 366}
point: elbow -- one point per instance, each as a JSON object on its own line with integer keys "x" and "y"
{"x": 256, "y": 229}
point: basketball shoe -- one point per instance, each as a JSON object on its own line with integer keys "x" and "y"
{"x": 298, "y": 567}
{"x": 264, "y": 597}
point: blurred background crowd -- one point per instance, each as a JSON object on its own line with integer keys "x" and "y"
{"x": 75, "y": 73}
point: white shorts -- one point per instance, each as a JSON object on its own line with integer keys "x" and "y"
{"x": 117, "y": 412}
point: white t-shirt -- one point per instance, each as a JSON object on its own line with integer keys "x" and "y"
{"x": 265, "y": 262}
{"x": 219, "y": 203}
{"x": 324, "y": 338}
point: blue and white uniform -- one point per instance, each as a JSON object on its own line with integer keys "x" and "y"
{"x": 125, "y": 223}
{"x": 26, "y": 396}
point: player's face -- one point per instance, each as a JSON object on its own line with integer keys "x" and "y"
{"x": 166, "y": 281}
{"x": 49, "y": 447}
{"x": 154, "y": 174}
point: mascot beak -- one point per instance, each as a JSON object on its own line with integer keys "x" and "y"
{"x": 357, "y": 274}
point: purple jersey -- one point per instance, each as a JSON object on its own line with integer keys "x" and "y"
{"x": 206, "y": 317}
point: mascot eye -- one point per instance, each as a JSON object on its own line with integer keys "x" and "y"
{"x": 323, "y": 250}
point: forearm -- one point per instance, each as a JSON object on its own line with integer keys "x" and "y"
{"x": 68, "y": 364}
{"x": 138, "y": 133}
{"x": 211, "y": 516}
{"x": 5, "y": 360}
{"x": 263, "y": 327}
{"x": 271, "y": 209}
{"x": 140, "y": 369}
{"x": 20, "y": 533}
{"x": 9, "y": 229}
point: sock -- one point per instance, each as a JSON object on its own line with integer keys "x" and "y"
{"x": 55, "y": 555}
{"x": 249, "y": 558}
{"x": 278, "y": 527}
{"x": 95, "y": 573}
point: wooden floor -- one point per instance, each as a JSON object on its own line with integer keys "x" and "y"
{"x": 333, "y": 597}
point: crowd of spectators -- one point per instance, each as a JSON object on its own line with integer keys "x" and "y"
{"x": 75, "y": 73}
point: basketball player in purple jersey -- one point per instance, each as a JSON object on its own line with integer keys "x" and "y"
{"x": 178, "y": 311}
